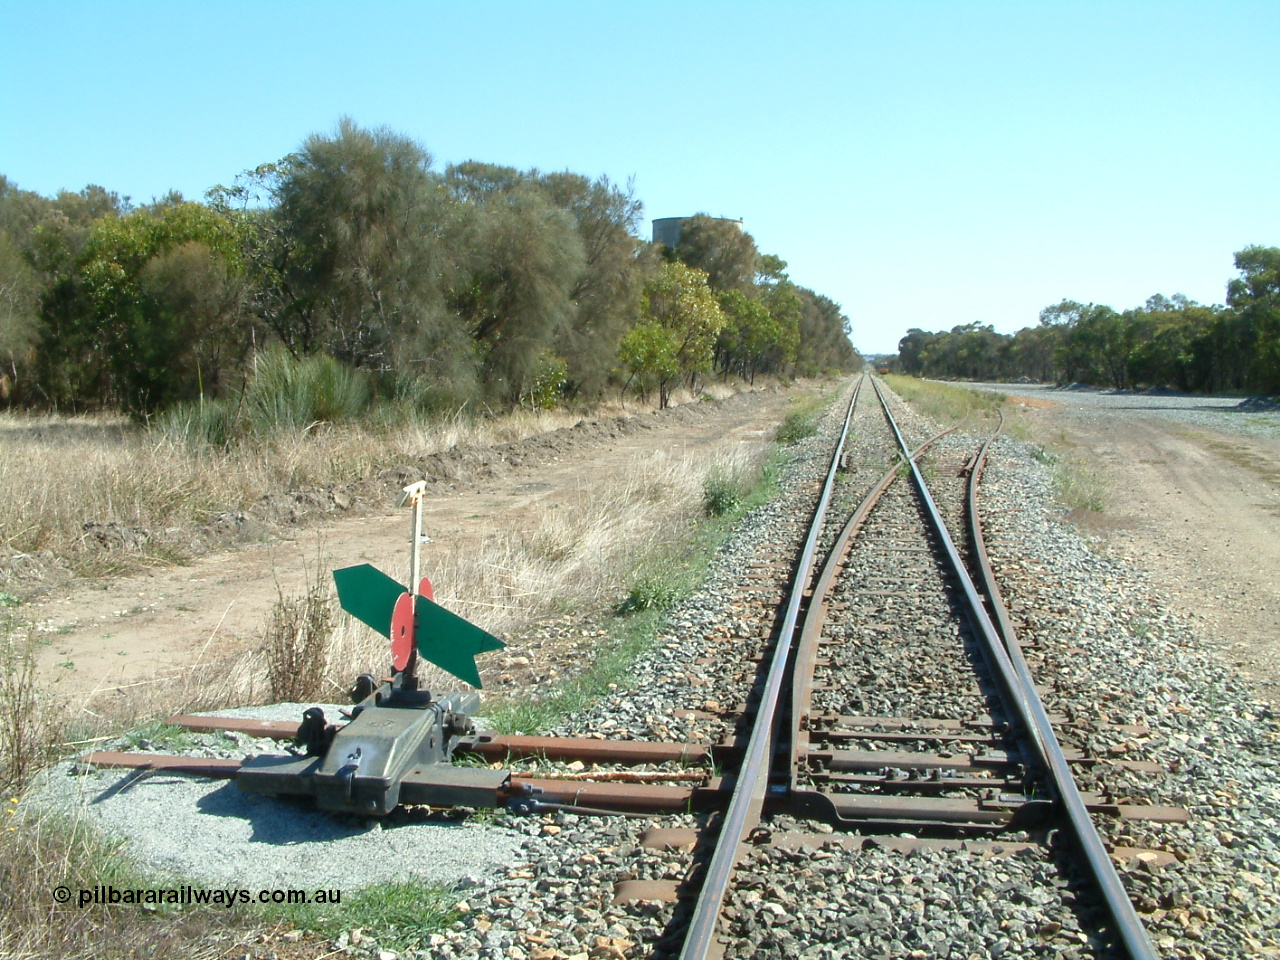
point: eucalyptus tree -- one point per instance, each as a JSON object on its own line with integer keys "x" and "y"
{"x": 159, "y": 295}
{"x": 519, "y": 261}
{"x": 1255, "y": 298}
{"x": 19, "y": 313}
{"x": 357, "y": 249}
{"x": 607, "y": 294}
{"x": 676, "y": 337}
{"x": 824, "y": 342}
{"x": 721, "y": 249}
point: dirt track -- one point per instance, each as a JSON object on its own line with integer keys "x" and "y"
{"x": 112, "y": 633}
{"x": 1194, "y": 498}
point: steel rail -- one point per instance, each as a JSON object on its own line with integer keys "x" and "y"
{"x": 1124, "y": 917}
{"x": 1035, "y": 721}
{"x": 816, "y": 613}
{"x": 993, "y": 651}
{"x": 752, "y": 781}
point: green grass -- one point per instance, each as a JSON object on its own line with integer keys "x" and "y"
{"x": 1077, "y": 487}
{"x": 44, "y": 851}
{"x": 722, "y": 492}
{"x": 398, "y": 916}
{"x": 162, "y": 736}
{"x": 802, "y": 422}
{"x": 947, "y": 403}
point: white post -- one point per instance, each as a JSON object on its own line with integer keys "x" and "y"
{"x": 414, "y": 494}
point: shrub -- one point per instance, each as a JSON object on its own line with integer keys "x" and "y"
{"x": 297, "y": 644}
{"x": 796, "y": 426}
{"x": 651, "y": 592}
{"x": 26, "y": 735}
{"x": 284, "y": 392}
{"x": 196, "y": 425}
{"x": 722, "y": 492}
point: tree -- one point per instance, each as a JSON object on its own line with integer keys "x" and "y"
{"x": 1255, "y": 297}
{"x": 148, "y": 283}
{"x": 749, "y": 337}
{"x": 607, "y": 294}
{"x": 681, "y": 321}
{"x": 824, "y": 343}
{"x": 649, "y": 355}
{"x": 19, "y": 312}
{"x": 523, "y": 258}
{"x": 722, "y": 250}
{"x": 357, "y": 257}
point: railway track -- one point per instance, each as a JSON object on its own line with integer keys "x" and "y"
{"x": 920, "y": 718}
{"x": 876, "y": 710}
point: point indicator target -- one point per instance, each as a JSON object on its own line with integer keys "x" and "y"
{"x": 412, "y": 622}
{"x": 403, "y": 631}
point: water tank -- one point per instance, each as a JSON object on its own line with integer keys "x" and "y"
{"x": 667, "y": 229}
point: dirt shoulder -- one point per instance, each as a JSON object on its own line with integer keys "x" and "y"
{"x": 1193, "y": 500}
{"x": 112, "y": 633}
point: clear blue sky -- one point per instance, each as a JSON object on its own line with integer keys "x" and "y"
{"x": 924, "y": 164}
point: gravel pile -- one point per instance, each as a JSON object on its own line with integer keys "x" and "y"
{"x": 1253, "y": 417}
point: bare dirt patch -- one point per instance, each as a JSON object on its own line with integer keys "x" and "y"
{"x": 1038, "y": 403}
{"x": 1200, "y": 510}
{"x": 115, "y": 633}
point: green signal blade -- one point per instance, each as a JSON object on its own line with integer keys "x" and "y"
{"x": 369, "y": 595}
{"x": 450, "y": 642}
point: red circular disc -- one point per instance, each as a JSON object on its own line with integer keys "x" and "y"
{"x": 425, "y": 589}
{"x": 402, "y": 623}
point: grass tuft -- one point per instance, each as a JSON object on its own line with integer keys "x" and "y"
{"x": 797, "y": 426}
{"x": 398, "y": 916}
{"x": 722, "y": 491}
{"x": 298, "y": 639}
{"x": 27, "y": 726}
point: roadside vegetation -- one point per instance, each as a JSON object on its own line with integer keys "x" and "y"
{"x": 401, "y": 286}
{"x": 172, "y": 367}
{"x": 1079, "y": 489}
{"x": 1167, "y": 342}
{"x": 949, "y": 403}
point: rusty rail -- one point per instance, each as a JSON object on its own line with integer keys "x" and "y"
{"x": 1124, "y": 918}
{"x": 1010, "y": 668}
{"x": 753, "y": 776}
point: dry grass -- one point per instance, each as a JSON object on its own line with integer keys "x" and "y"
{"x": 948, "y": 403}
{"x": 575, "y": 555}
{"x": 297, "y": 642}
{"x": 59, "y": 474}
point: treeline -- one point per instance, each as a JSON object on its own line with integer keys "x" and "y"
{"x": 1167, "y": 342}
{"x": 434, "y": 288}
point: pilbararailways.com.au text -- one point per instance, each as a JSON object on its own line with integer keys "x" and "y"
{"x": 190, "y": 896}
